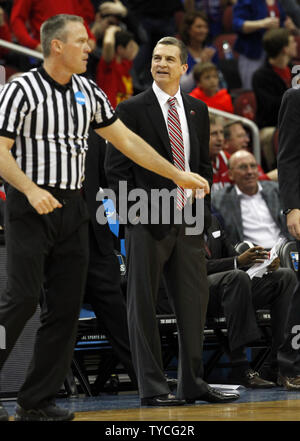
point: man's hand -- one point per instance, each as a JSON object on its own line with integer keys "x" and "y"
{"x": 113, "y": 8}
{"x": 271, "y": 23}
{"x": 194, "y": 182}
{"x": 274, "y": 265}
{"x": 293, "y": 223}
{"x": 252, "y": 255}
{"x": 207, "y": 54}
{"x": 42, "y": 201}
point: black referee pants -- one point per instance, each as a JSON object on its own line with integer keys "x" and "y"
{"x": 49, "y": 251}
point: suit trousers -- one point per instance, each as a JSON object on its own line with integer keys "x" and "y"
{"x": 180, "y": 259}
{"x": 230, "y": 295}
{"x": 237, "y": 296}
{"x": 289, "y": 351}
{"x": 49, "y": 251}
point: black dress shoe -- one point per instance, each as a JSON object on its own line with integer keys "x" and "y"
{"x": 3, "y": 413}
{"x": 252, "y": 380}
{"x": 162, "y": 400}
{"x": 214, "y": 396}
{"x": 49, "y": 413}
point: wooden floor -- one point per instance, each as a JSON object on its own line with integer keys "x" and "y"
{"x": 288, "y": 410}
{"x": 268, "y": 405}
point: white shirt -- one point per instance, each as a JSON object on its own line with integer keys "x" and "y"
{"x": 259, "y": 226}
{"x": 162, "y": 98}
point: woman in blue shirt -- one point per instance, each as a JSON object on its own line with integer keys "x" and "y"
{"x": 194, "y": 32}
{"x": 251, "y": 18}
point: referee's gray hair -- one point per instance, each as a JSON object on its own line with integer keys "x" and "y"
{"x": 53, "y": 28}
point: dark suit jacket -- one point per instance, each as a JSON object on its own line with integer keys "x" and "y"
{"x": 143, "y": 115}
{"x": 288, "y": 159}
{"x": 221, "y": 249}
{"x": 269, "y": 89}
{"x": 226, "y": 202}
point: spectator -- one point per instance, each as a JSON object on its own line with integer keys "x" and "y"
{"x": 194, "y": 33}
{"x": 108, "y": 13}
{"x": 250, "y": 20}
{"x": 214, "y": 11}
{"x": 218, "y": 156}
{"x": 32, "y": 13}
{"x": 156, "y": 19}
{"x": 208, "y": 90}
{"x": 292, "y": 9}
{"x": 113, "y": 71}
{"x": 233, "y": 292}
{"x": 270, "y": 82}
{"x": 250, "y": 208}
{"x": 5, "y": 33}
{"x": 236, "y": 138}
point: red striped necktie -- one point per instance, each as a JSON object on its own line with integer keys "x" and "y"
{"x": 176, "y": 141}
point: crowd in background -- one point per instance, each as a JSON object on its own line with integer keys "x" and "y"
{"x": 233, "y": 46}
{"x": 241, "y": 58}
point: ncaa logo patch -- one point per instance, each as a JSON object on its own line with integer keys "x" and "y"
{"x": 80, "y": 98}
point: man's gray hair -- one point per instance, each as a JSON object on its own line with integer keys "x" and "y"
{"x": 55, "y": 27}
{"x": 175, "y": 42}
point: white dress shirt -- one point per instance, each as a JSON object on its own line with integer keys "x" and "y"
{"x": 259, "y": 226}
{"x": 162, "y": 98}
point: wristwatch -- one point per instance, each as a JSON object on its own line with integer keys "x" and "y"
{"x": 287, "y": 211}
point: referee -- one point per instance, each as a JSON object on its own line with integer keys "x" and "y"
{"x": 45, "y": 116}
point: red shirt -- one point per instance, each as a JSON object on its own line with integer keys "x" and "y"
{"x": 273, "y": 10}
{"x": 35, "y": 12}
{"x": 115, "y": 80}
{"x": 5, "y": 34}
{"x": 285, "y": 74}
{"x": 221, "y": 100}
{"x": 220, "y": 167}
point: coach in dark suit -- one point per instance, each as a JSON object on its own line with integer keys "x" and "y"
{"x": 288, "y": 161}
{"x": 153, "y": 250}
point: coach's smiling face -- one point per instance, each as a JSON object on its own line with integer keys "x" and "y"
{"x": 167, "y": 68}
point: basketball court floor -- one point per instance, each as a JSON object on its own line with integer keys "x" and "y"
{"x": 274, "y": 404}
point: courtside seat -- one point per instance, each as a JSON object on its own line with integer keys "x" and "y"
{"x": 288, "y": 255}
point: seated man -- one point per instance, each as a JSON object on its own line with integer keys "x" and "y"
{"x": 219, "y": 154}
{"x": 232, "y": 291}
{"x": 250, "y": 208}
{"x": 236, "y": 138}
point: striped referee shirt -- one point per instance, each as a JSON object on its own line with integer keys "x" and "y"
{"x": 50, "y": 123}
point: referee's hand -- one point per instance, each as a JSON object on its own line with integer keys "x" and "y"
{"x": 42, "y": 201}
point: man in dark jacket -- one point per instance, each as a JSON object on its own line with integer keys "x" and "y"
{"x": 234, "y": 294}
{"x": 274, "y": 78}
{"x": 269, "y": 84}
